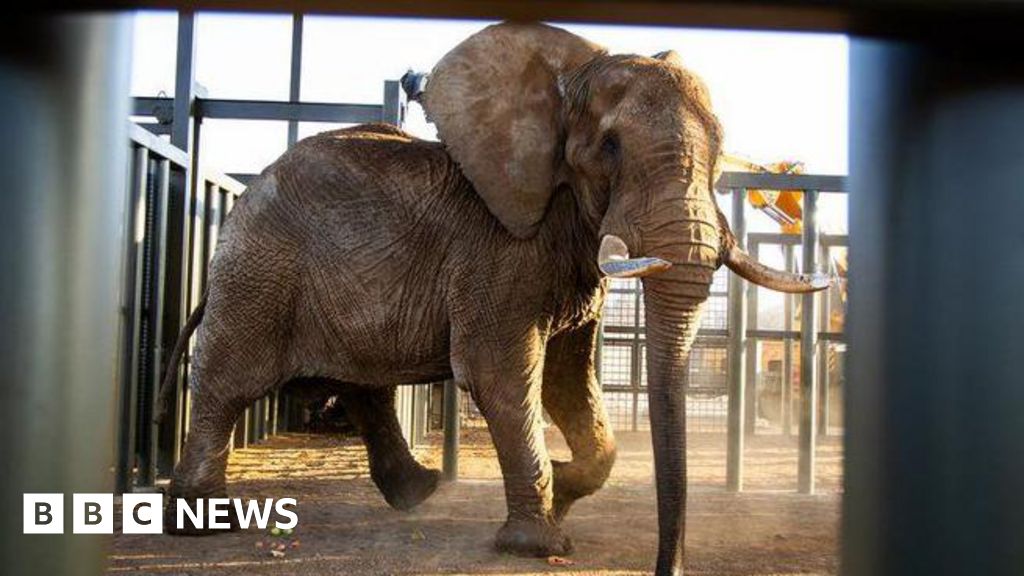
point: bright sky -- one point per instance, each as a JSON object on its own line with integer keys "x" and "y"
{"x": 778, "y": 95}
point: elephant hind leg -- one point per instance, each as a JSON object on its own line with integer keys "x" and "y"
{"x": 403, "y": 481}
{"x": 227, "y": 375}
{"x": 572, "y": 397}
{"x": 201, "y": 471}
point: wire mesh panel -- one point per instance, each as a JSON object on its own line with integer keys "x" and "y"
{"x": 620, "y": 406}
{"x": 617, "y": 364}
{"x": 707, "y": 396}
{"x": 622, "y": 367}
{"x": 832, "y": 403}
{"x": 771, "y": 379}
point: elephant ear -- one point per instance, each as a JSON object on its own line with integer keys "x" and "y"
{"x": 496, "y": 103}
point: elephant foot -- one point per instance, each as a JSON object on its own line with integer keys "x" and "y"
{"x": 406, "y": 489}
{"x": 188, "y": 528}
{"x": 534, "y": 538}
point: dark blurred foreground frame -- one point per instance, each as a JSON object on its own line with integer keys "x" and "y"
{"x": 935, "y": 401}
{"x": 63, "y": 105}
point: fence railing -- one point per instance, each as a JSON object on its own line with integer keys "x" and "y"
{"x": 171, "y": 240}
{"x": 176, "y": 208}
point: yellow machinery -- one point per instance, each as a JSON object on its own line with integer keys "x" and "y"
{"x": 783, "y": 206}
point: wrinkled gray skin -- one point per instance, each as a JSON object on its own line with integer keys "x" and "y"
{"x": 366, "y": 259}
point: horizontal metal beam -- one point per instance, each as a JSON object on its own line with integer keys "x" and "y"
{"x": 245, "y": 179}
{"x": 794, "y": 239}
{"x": 157, "y": 145}
{"x": 897, "y": 18}
{"x": 623, "y": 335}
{"x": 156, "y": 128}
{"x": 821, "y": 183}
{"x": 164, "y": 149}
{"x": 267, "y": 110}
{"x": 223, "y": 181}
{"x": 297, "y": 111}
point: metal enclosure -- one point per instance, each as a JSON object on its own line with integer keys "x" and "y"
{"x": 175, "y": 210}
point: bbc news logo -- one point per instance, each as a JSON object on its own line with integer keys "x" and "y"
{"x": 142, "y": 513}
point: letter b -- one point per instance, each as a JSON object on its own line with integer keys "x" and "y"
{"x": 93, "y": 514}
{"x": 43, "y": 514}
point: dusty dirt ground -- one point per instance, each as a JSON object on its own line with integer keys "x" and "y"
{"x": 345, "y": 527}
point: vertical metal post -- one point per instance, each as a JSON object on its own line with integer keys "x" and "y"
{"x": 737, "y": 351}
{"x": 808, "y": 351}
{"x": 284, "y": 413}
{"x": 452, "y": 417}
{"x": 183, "y": 136}
{"x": 241, "y": 438}
{"x": 131, "y": 316}
{"x": 184, "y": 83}
{"x": 934, "y": 473}
{"x": 753, "y": 345}
{"x": 394, "y": 103}
{"x": 787, "y": 352}
{"x": 148, "y": 429}
{"x": 63, "y": 157}
{"x": 295, "y": 82}
{"x": 274, "y": 399}
{"x": 635, "y": 365}
{"x": 825, "y": 404}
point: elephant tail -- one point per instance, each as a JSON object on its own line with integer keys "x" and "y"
{"x": 167, "y": 386}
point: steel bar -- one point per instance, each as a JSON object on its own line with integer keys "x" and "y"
{"x": 158, "y": 146}
{"x": 297, "y": 111}
{"x": 737, "y": 349}
{"x": 787, "y": 353}
{"x": 131, "y": 316}
{"x": 452, "y": 421}
{"x": 750, "y": 180}
{"x": 295, "y": 76}
{"x": 184, "y": 137}
{"x": 393, "y": 110}
{"x": 184, "y": 82}
{"x": 823, "y": 352}
{"x": 63, "y": 158}
{"x": 158, "y": 258}
{"x": 796, "y": 240}
{"x": 635, "y": 361}
{"x": 934, "y": 473}
{"x": 232, "y": 109}
{"x": 753, "y": 345}
{"x": 808, "y": 352}
{"x": 274, "y": 409}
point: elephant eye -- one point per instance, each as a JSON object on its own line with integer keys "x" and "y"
{"x": 610, "y": 146}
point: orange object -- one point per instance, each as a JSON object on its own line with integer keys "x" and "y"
{"x": 783, "y": 206}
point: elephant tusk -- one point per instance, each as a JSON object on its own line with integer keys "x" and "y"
{"x": 743, "y": 264}
{"x": 614, "y": 261}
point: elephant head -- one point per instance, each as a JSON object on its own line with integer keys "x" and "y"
{"x": 525, "y": 109}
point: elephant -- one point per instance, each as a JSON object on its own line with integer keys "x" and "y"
{"x": 371, "y": 259}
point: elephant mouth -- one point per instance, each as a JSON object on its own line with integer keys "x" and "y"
{"x": 615, "y": 261}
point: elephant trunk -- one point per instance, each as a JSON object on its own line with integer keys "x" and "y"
{"x": 672, "y": 318}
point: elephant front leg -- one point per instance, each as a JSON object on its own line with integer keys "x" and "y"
{"x": 505, "y": 384}
{"x": 572, "y": 397}
{"x": 402, "y": 480}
